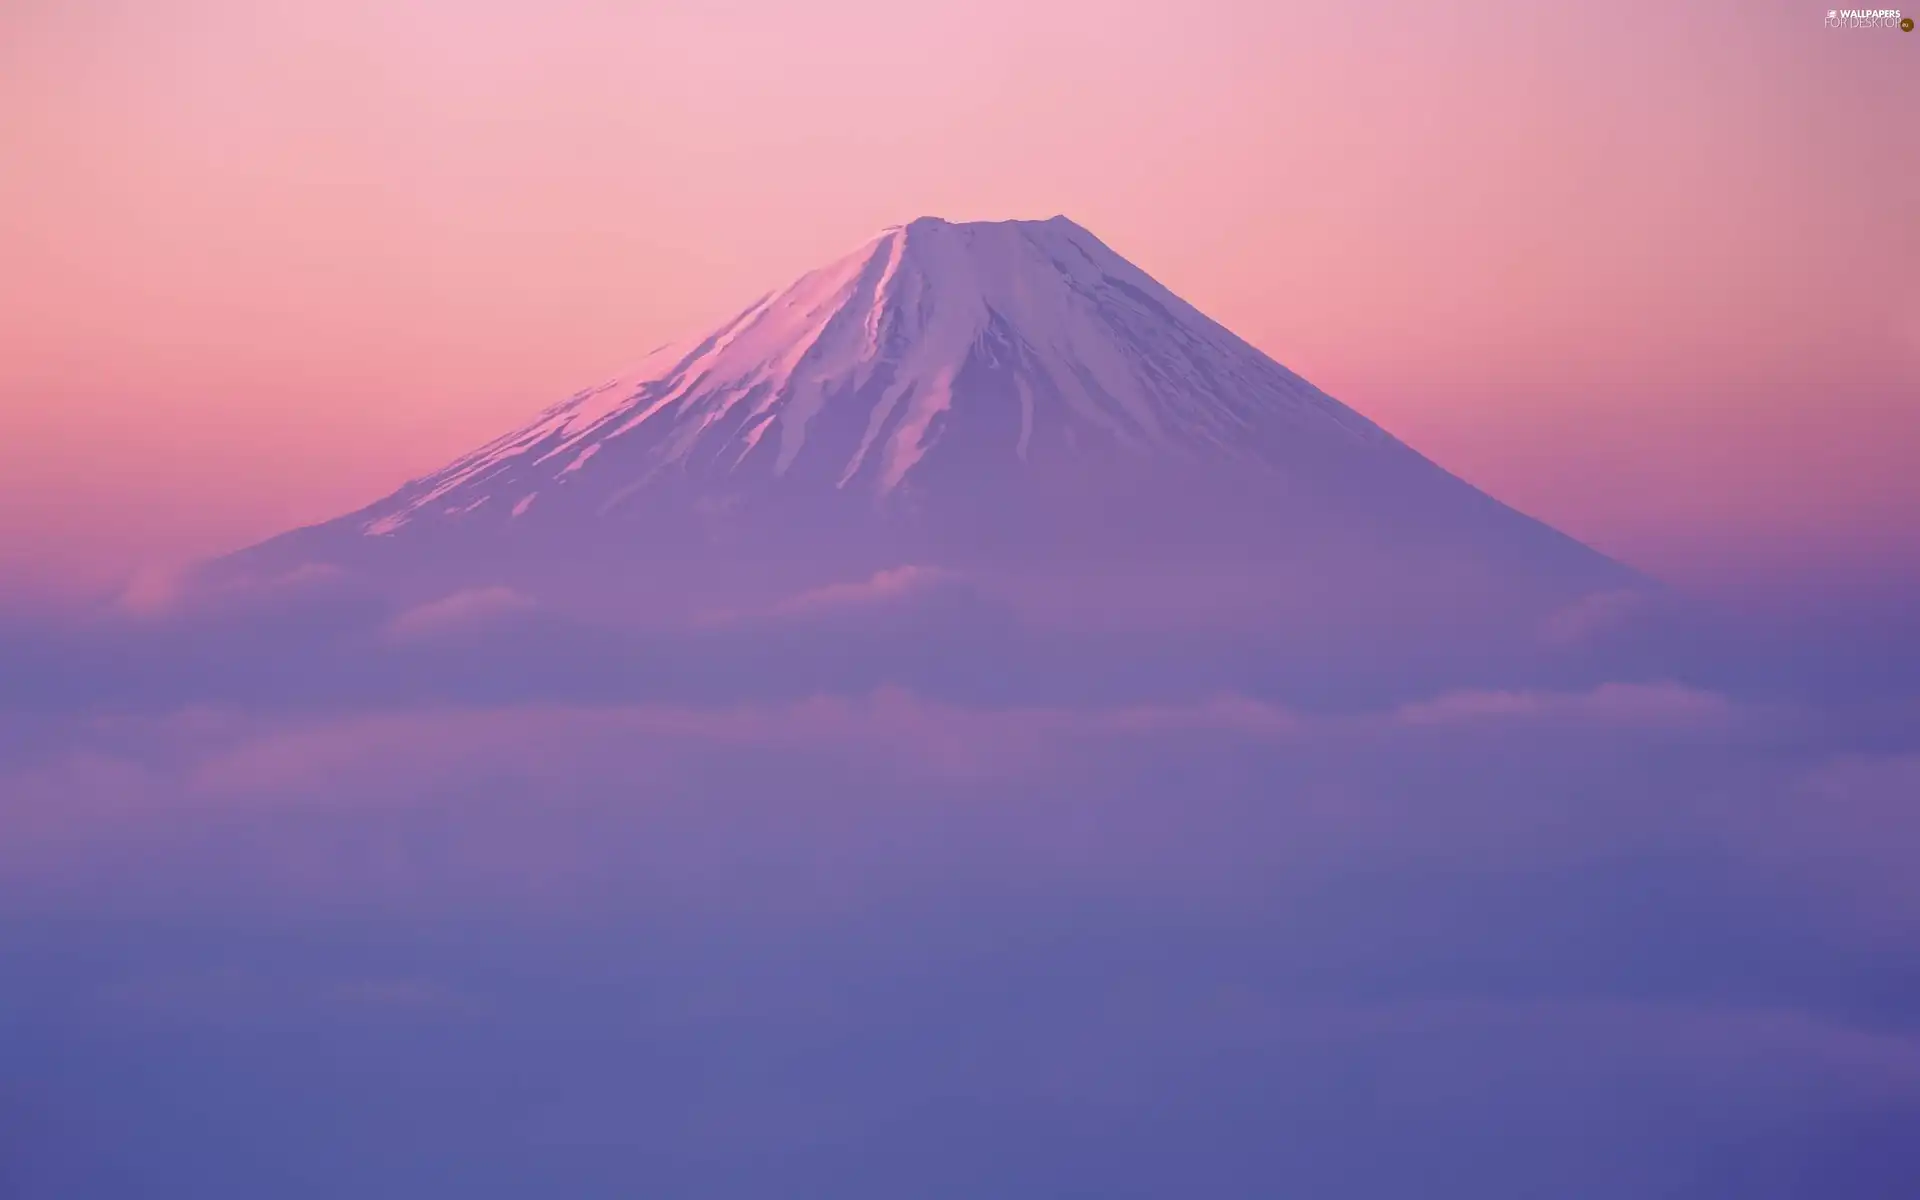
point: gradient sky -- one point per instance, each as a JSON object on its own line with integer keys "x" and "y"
{"x": 1649, "y": 271}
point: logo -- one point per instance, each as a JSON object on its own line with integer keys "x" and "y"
{"x": 1868, "y": 18}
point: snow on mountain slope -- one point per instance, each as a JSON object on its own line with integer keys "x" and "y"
{"x": 864, "y": 370}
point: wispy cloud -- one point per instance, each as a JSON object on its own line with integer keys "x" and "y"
{"x": 1592, "y": 617}
{"x": 169, "y": 591}
{"x": 463, "y": 612}
{"x": 894, "y": 583}
{"x": 1645, "y": 705}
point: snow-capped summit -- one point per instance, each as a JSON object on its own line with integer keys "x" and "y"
{"x": 1014, "y": 340}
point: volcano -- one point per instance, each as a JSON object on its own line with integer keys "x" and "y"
{"x": 1009, "y": 403}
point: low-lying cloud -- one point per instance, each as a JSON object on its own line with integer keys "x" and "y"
{"x": 464, "y": 612}
{"x": 460, "y": 892}
{"x": 1655, "y": 705}
{"x": 892, "y": 584}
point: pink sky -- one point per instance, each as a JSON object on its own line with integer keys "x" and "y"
{"x": 1648, "y": 271}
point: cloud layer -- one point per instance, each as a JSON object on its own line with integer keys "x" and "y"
{"x": 722, "y": 911}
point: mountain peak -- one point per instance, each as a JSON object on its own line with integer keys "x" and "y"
{"x": 1001, "y": 344}
{"x": 1058, "y": 220}
{"x": 997, "y": 396}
